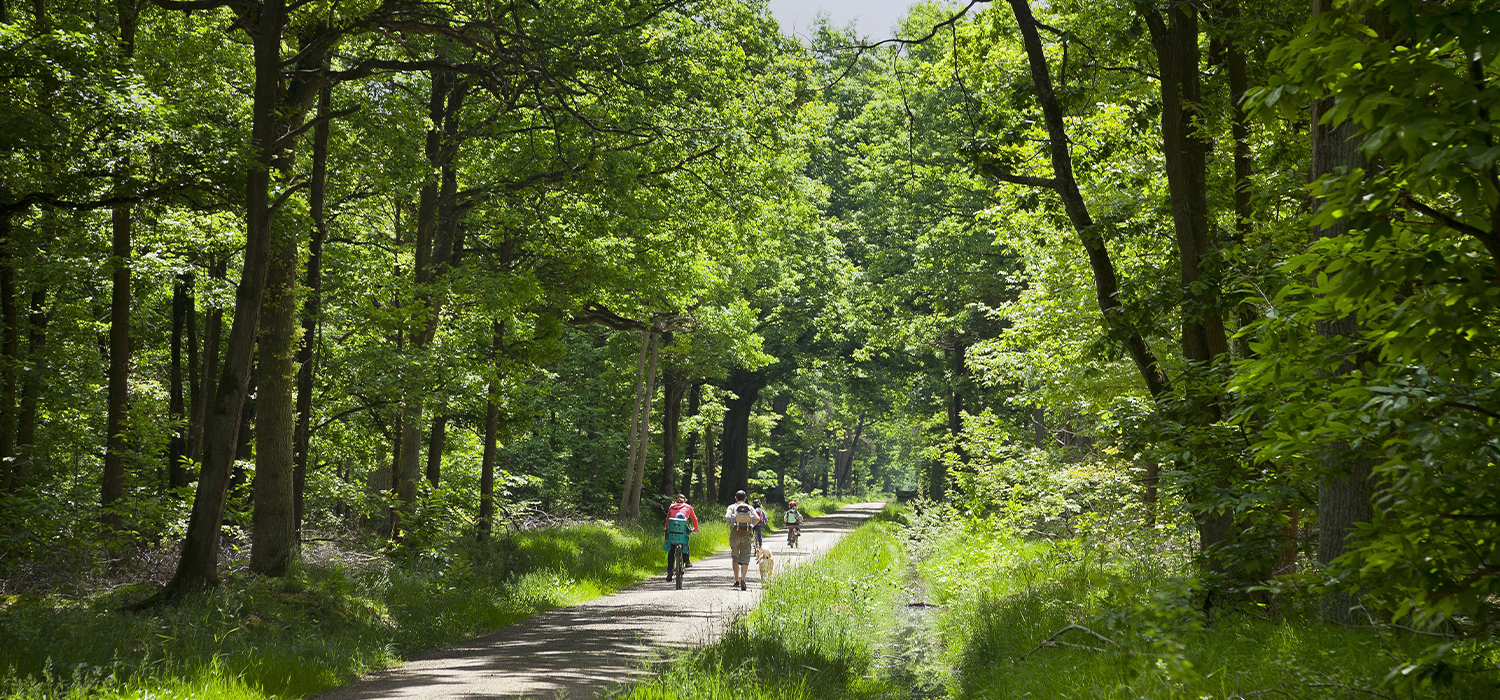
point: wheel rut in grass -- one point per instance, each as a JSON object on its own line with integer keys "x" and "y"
{"x": 582, "y": 650}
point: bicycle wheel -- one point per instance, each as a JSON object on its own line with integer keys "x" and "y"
{"x": 678, "y": 559}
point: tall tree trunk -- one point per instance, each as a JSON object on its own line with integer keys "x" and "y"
{"x": 436, "y": 439}
{"x": 176, "y": 406}
{"x": 644, "y": 443}
{"x": 695, "y": 395}
{"x": 117, "y": 403}
{"x": 736, "y": 471}
{"x": 491, "y": 435}
{"x": 780, "y": 405}
{"x": 673, "y": 387}
{"x": 8, "y": 342}
{"x": 32, "y": 383}
{"x": 437, "y": 227}
{"x": 1106, "y": 283}
{"x": 312, "y": 308}
{"x": 1185, "y": 152}
{"x": 213, "y": 333}
{"x": 710, "y": 463}
{"x": 271, "y": 118}
{"x": 1346, "y": 492}
{"x": 635, "y": 426}
{"x": 273, "y": 531}
{"x": 843, "y": 474}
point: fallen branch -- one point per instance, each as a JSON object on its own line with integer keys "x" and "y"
{"x": 1052, "y": 641}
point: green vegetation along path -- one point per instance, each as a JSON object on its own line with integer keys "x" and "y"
{"x": 581, "y": 650}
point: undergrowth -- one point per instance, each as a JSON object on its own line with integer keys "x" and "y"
{"x": 815, "y": 634}
{"x": 1138, "y": 632}
{"x": 318, "y": 627}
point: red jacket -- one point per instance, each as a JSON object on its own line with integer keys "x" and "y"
{"x": 676, "y": 508}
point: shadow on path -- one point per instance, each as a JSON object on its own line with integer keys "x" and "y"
{"x": 578, "y": 651}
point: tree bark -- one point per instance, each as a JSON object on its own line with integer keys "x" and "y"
{"x": 436, "y": 439}
{"x": 635, "y": 426}
{"x": 272, "y": 115}
{"x": 736, "y": 471}
{"x": 8, "y": 345}
{"x": 695, "y": 395}
{"x": 213, "y": 332}
{"x": 176, "y": 406}
{"x": 273, "y": 528}
{"x": 673, "y": 387}
{"x": 437, "y": 227}
{"x": 117, "y": 403}
{"x": 710, "y": 463}
{"x": 491, "y": 435}
{"x": 312, "y": 308}
{"x": 1106, "y": 282}
{"x": 1346, "y": 492}
{"x": 644, "y": 442}
{"x": 32, "y": 382}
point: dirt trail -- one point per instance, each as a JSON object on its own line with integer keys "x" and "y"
{"x": 578, "y": 651}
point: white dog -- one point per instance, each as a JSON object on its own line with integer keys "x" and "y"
{"x": 765, "y": 562}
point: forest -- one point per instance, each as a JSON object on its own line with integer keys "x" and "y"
{"x": 313, "y": 310}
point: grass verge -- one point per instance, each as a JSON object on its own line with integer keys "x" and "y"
{"x": 318, "y": 627}
{"x": 1002, "y": 596}
{"x": 815, "y": 634}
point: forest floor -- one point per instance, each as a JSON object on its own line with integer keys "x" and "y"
{"x": 582, "y": 650}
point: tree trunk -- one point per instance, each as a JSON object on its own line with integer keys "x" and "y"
{"x": 644, "y": 442}
{"x": 273, "y": 528}
{"x": 673, "y": 387}
{"x": 198, "y": 565}
{"x": 437, "y": 226}
{"x": 736, "y": 472}
{"x": 213, "y": 327}
{"x": 1106, "y": 283}
{"x": 9, "y": 318}
{"x": 710, "y": 463}
{"x": 176, "y": 406}
{"x": 1185, "y": 151}
{"x": 491, "y": 435}
{"x": 635, "y": 426}
{"x": 118, "y": 399}
{"x": 31, "y": 389}
{"x": 780, "y": 405}
{"x": 312, "y": 309}
{"x": 695, "y": 395}
{"x": 1346, "y": 493}
{"x": 436, "y": 439}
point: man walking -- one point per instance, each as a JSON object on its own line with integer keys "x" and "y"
{"x": 742, "y": 519}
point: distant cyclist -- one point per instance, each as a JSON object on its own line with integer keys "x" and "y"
{"x": 680, "y": 506}
{"x": 793, "y": 520}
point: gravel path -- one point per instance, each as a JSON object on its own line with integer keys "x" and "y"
{"x": 578, "y": 651}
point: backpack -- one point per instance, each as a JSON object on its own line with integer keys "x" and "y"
{"x": 744, "y": 515}
{"x": 792, "y": 516}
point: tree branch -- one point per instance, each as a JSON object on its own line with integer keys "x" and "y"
{"x": 994, "y": 172}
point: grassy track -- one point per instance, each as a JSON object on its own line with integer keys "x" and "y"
{"x": 816, "y": 633}
{"x": 317, "y": 628}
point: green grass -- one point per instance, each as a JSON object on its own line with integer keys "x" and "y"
{"x": 317, "y": 628}
{"x": 815, "y": 634}
{"x": 1001, "y": 597}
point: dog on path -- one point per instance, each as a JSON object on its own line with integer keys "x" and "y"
{"x": 765, "y": 562}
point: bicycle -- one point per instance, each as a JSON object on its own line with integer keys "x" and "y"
{"x": 792, "y": 531}
{"x": 676, "y": 546}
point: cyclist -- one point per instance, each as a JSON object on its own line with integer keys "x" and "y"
{"x": 760, "y": 524}
{"x": 680, "y": 507}
{"x": 793, "y": 520}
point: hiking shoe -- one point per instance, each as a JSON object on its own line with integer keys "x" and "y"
{"x": 735, "y": 584}
{"x": 742, "y": 586}
{"x": 687, "y": 565}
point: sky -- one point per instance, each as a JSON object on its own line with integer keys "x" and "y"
{"x": 873, "y": 18}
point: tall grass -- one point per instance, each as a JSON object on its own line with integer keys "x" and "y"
{"x": 816, "y": 633}
{"x": 1001, "y": 597}
{"x": 318, "y": 627}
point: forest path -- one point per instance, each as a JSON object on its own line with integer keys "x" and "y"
{"x": 581, "y": 650}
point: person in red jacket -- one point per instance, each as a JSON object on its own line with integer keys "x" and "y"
{"x": 680, "y": 505}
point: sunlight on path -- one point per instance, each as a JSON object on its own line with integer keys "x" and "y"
{"x": 581, "y": 650}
